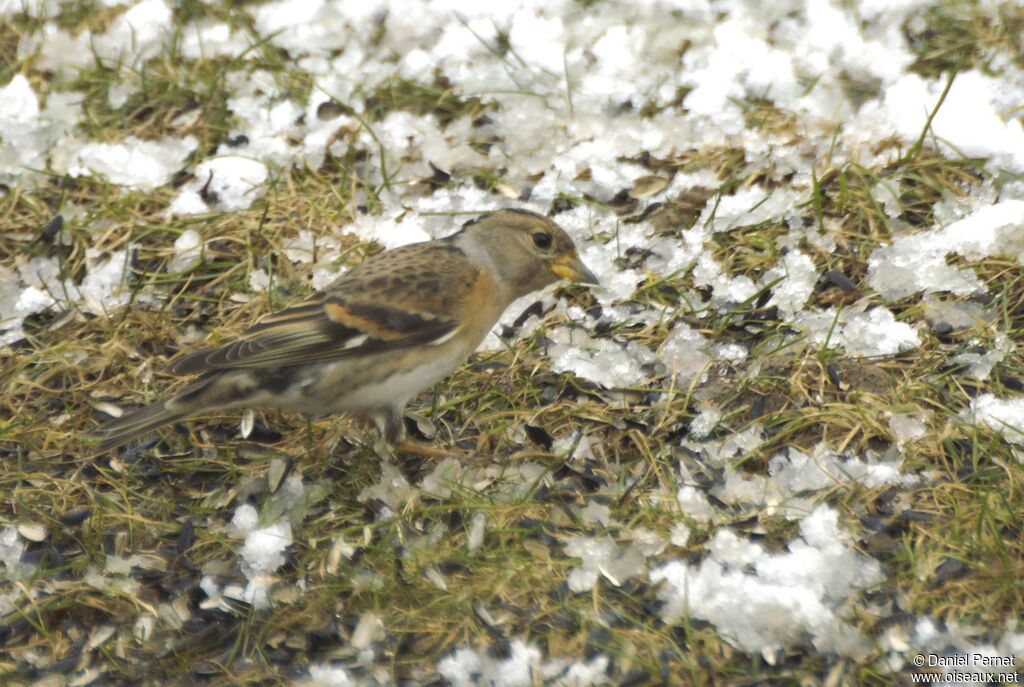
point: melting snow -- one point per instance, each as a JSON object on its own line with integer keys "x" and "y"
{"x": 601, "y": 556}
{"x": 972, "y": 121}
{"x": 1003, "y": 416}
{"x": 858, "y": 330}
{"x": 761, "y": 601}
{"x": 523, "y": 667}
{"x": 908, "y": 426}
{"x": 134, "y": 163}
{"x": 792, "y": 472}
{"x": 917, "y": 263}
{"x": 28, "y": 132}
{"x": 229, "y": 182}
{"x": 187, "y": 251}
{"x": 603, "y": 361}
{"x": 262, "y": 552}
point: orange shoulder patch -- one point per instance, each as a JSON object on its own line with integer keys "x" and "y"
{"x": 336, "y": 312}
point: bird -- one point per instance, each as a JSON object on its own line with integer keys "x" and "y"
{"x": 379, "y": 334}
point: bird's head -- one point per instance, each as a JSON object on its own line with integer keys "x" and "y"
{"x": 528, "y": 251}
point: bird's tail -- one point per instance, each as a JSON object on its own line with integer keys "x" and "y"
{"x": 192, "y": 400}
{"x": 135, "y": 425}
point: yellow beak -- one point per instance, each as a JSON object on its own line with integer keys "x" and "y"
{"x": 572, "y": 268}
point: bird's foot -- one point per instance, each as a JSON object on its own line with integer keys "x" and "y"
{"x": 384, "y": 450}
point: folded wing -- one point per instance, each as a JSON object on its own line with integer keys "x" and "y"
{"x": 391, "y": 302}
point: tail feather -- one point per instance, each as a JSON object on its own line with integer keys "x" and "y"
{"x": 214, "y": 390}
{"x": 135, "y": 425}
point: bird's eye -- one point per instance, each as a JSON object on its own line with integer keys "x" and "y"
{"x": 542, "y": 240}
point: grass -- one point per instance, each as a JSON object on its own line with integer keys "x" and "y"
{"x": 958, "y": 34}
{"x": 127, "y": 538}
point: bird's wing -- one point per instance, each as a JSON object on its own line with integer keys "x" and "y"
{"x": 406, "y": 297}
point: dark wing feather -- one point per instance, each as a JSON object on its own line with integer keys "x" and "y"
{"x": 401, "y": 298}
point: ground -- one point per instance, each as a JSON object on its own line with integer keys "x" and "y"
{"x": 781, "y": 443}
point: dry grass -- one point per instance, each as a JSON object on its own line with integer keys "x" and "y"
{"x": 952, "y": 547}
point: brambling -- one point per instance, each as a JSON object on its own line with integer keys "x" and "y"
{"x": 379, "y": 334}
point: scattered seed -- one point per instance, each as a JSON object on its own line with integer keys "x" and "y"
{"x": 143, "y": 629}
{"x": 369, "y": 630}
{"x": 109, "y": 409}
{"x": 32, "y": 531}
{"x": 248, "y": 422}
{"x": 507, "y": 190}
{"x": 647, "y": 186}
{"x": 475, "y": 538}
{"x": 329, "y": 110}
{"x": 435, "y": 578}
{"x": 277, "y": 471}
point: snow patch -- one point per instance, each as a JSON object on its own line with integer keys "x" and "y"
{"x": 761, "y": 601}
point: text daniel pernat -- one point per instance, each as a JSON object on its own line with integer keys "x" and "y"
{"x": 965, "y": 660}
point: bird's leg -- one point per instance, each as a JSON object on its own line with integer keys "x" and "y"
{"x": 313, "y": 450}
{"x": 390, "y": 428}
{"x": 384, "y": 450}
